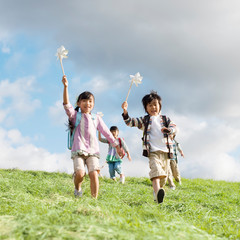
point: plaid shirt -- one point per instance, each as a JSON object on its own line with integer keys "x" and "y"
{"x": 144, "y": 123}
{"x": 176, "y": 146}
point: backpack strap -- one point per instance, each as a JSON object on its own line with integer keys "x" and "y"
{"x": 120, "y": 142}
{"x": 78, "y": 119}
{"x": 166, "y": 124}
{"x": 71, "y": 135}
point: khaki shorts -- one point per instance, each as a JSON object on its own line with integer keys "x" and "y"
{"x": 158, "y": 163}
{"x": 92, "y": 163}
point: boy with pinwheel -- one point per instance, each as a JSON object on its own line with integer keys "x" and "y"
{"x": 157, "y": 145}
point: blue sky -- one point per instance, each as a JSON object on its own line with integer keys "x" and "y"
{"x": 188, "y": 52}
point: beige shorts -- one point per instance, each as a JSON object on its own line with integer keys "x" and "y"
{"x": 158, "y": 163}
{"x": 91, "y": 162}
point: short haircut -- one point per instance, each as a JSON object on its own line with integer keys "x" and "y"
{"x": 149, "y": 97}
{"x": 114, "y": 128}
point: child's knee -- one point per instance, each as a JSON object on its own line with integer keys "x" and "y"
{"x": 80, "y": 173}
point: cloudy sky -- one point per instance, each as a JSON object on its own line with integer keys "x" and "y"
{"x": 187, "y": 51}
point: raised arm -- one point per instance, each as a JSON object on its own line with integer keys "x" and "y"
{"x": 124, "y": 107}
{"x": 65, "y": 90}
{"x": 131, "y": 122}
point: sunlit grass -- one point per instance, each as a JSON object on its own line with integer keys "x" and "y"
{"x": 41, "y": 205}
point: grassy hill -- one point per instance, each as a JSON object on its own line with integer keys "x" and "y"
{"x": 40, "y": 205}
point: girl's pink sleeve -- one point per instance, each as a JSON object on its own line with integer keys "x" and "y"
{"x": 70, "y": 111}
{"x": 102, "y": 127}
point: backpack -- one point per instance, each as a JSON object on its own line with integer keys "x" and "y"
{"x": 72, "y": 132}
{"x": 121, "y": 148}
{"x": 146, "y": 123}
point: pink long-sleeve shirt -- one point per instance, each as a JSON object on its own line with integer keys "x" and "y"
{"x": 85, "y": 138}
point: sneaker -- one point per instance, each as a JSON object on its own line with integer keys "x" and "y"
{"x": 160, "y": 195}
{"x": 173, "y": 187}
{"x": 77, "y": 193}
{"x": 122, "y": 180}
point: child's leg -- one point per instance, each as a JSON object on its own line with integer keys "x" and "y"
{"x": 118, "y": 168}
{"x": 94, "y": 183}
{"x": 111, "y": 170}
{"x": 158, "y": 163}
{"x": 78, "y": 179}
{"x": 175, "y": 170}
{"x": 92, "y": 163}
{"x": 170, "y": 177}
{"x": 79, "y": 172}
{"x": 156, "y": 185}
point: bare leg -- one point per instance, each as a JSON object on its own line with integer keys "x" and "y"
{"x": 156, "y": 185}
{"x": 94, "y": 183}
{"x": 78, "y": 179}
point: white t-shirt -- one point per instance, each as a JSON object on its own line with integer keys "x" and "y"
{"x": 156, "y": 138}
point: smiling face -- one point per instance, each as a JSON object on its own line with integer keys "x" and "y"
{"x": 152, "y": 103}
{"x": 153, "y": 108}
{"x": 86, "y": 105}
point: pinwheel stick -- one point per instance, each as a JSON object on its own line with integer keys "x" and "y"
{"x": 61, "y": 65}
{"x": 129, "y": 90}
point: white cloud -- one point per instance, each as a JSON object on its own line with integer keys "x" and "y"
{"x": 15, "y": 97}
{"x": 97, "y": 84}
{"x": 57, "y": 113}
{"x": 208, "y": 144}
{"x": 18, "y": 152}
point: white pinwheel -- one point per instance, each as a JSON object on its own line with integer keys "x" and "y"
{"x": 62, "y": 53}
{"x": 100, "y": 114}
{"x": 137, "y": 79}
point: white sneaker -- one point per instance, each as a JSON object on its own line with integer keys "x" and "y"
{"x": 77, "y": 193}
{"x": 122, "y": 180}
{"x": 173, "y": 187}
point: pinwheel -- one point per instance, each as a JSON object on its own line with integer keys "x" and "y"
{"x": 137, "y": 79}
{"x": 62, "y": 53}
{"x": 100, "y": 114}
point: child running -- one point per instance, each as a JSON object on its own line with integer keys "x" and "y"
{"x": 113, "y": 159}
{"x": 173, "y": 169}
{"x": 85, "y": 149}
{"x": 157, "y": 146}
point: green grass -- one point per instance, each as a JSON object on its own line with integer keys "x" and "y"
{"x": 40, "y": 205}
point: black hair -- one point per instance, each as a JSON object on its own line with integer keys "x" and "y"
{"x": 149, "y": 97}
{"x": 84, "y": 95}
{"x": 114, "y": 128}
